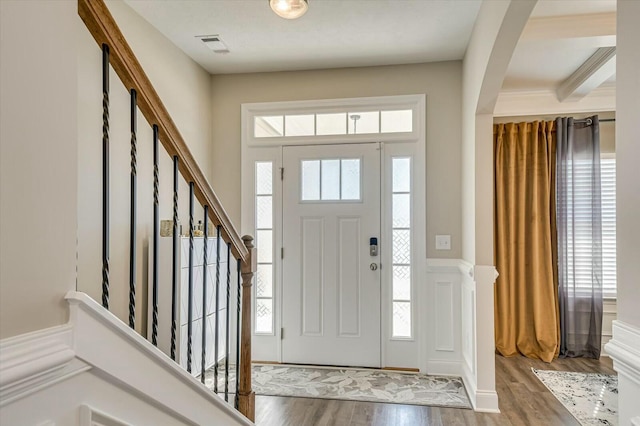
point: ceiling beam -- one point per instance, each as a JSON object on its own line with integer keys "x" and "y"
{"x": 591, "y": 74}
{"x": 570, "y": 26}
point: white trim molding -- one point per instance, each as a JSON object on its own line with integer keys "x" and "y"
{"x": 33, "y": 361}
{"x": 49, "y": 377}
{"x": 544, "y": 102}
{"x": 478, "y": 341}
{"x": 89, "y": 416}
{"x": 624, "y": 349}
{"x": 590, "y": 75}
{"x": 416, "y": 103}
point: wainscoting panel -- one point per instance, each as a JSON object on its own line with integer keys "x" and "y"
{"x": 444, "y": 316}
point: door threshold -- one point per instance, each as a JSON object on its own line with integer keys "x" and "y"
{"x": 400, "y": 369}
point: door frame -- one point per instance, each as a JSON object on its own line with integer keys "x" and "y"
{"x": 395, "y": 352}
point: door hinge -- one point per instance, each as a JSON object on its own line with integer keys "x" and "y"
{"x": 282, "y": 333}
{"x": 281, "y": 252}
{"x": 281, "y": 173}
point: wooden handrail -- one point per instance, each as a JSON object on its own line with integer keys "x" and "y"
{"x": 104, "y": 30}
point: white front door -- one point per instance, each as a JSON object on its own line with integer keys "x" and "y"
{"x": 331, "y": 281}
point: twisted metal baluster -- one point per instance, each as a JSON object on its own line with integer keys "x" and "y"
{"x": 205, "y": 261}
{"x": 156, "y": 237}
{"x": 238, "y": 309}
{"x": 105, "y": 176}
{"x": 174, "y": 276}
{"x": 217, "y": 329}
{"x": 226, "y": 324}
{"x": 132, "y": 224}
{"x": 190, "y": 296}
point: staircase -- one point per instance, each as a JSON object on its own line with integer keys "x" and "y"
{"x": 117, "y": 54}
{"x": 96, "y": 360}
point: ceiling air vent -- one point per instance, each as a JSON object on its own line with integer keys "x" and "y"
{"x": 214, "y": 43}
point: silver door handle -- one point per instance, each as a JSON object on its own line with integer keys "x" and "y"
{"x": 373, "y": 266}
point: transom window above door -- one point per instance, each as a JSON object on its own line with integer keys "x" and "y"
{"x": 340, "y": 123}
{"x": 334, "y": 121}
{"x": 330, "y": 179}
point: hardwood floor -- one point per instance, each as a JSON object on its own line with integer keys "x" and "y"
{"x": 524, "y": 401}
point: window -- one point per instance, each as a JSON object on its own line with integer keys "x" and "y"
{"x": 339, "y": 123}
{"x": 579, "y": 186}
{"x": 330, "y": 180}
{"x": 608, "y": 196}
{"x": 264, "y": 242}
{"x": 401, "y": 247}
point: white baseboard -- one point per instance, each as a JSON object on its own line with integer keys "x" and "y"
{"x": 444, "y": 367}
{"x": 624, "y": 349}
{"x": 486, "y": 401}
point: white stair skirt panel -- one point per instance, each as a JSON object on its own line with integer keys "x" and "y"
{"x": 96, "y": 370}
{"x": 624, "y": 349}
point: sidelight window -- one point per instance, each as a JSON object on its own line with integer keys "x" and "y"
{"x": 401, "y": 247}
{"x": 264, "y": 242}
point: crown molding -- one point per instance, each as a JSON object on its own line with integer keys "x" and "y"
{"x": 544, "y": 102}
{"x": 570, "y": 26}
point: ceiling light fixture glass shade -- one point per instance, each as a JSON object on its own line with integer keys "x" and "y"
{"x": 289, "y": 9}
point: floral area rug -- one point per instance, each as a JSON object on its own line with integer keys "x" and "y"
{"x": 356, "y": 385}
{"x": 591, "y": 398}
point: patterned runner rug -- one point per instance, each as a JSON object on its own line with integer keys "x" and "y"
{"x": 591, "y": 398}
{"x": 355, "y": 384}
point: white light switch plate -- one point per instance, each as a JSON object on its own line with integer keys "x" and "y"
{"x": 443, "y": 242}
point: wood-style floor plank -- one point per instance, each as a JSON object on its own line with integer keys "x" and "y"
{"x": 524, "y": 401}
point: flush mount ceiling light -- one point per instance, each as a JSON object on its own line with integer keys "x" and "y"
{"x": 289, "y": 9}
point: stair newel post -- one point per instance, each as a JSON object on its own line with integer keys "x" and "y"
{"x": 246, "y": 397}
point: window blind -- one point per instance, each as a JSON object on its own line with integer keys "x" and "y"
{"x": 608, "y": 195}
{"x": 580, "y": 228}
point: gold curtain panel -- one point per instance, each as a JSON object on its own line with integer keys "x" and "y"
{"x": 526, "y": 292}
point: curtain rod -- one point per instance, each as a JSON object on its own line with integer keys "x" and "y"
{"x": 589, "y": 121}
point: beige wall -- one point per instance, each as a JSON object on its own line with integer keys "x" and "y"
{"x": 185, "y": 89}
{"x": 628, "y": 171}
{"x": 38, "y": 163}
{"x": 441, "y": 83}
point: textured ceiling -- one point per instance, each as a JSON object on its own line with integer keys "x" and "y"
{"x": 333, "y": 33}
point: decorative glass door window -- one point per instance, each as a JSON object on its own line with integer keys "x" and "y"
{"x": 330, "y": 180}
{"x": 264, "y": 242}
{"x": 401, "y": 246}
